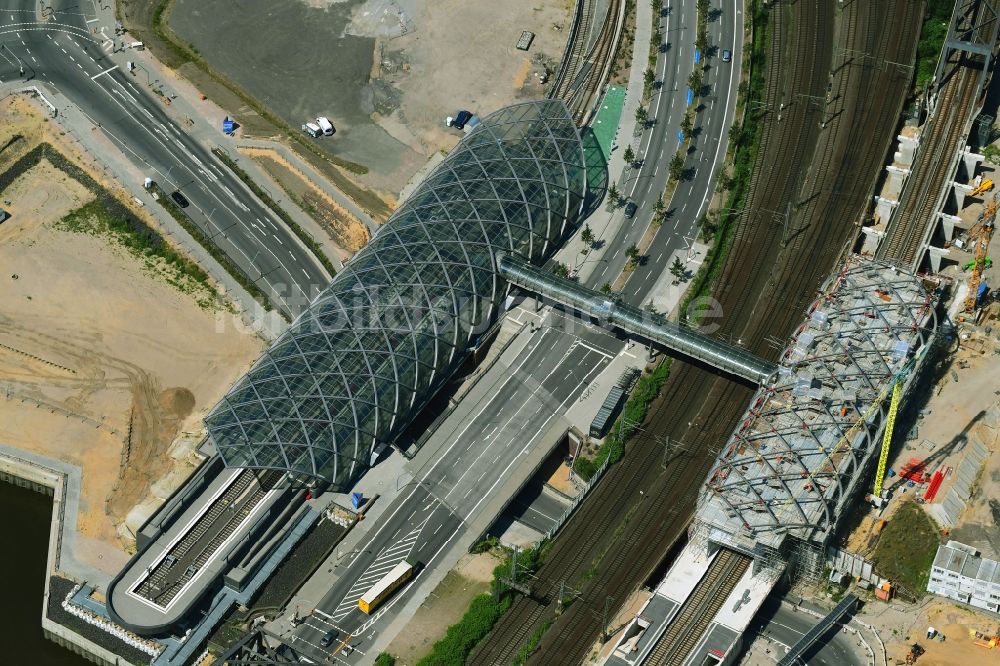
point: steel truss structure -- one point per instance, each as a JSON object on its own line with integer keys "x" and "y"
{"x": 798, "y": 454}
{"x": 972, "y": 29}
{"x": 395, "y": 324}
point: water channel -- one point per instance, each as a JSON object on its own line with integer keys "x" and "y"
{"x": 27, "y": 516}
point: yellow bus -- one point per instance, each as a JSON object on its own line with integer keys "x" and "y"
{"x": 384, "y": 589}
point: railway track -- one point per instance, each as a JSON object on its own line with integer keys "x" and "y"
{"x": 699, "y": 409}
{"x": 920, "y": 196}
{"x": 579, "y": 98}
{"x": 576, "y": 48}
{"x": 700, "y": 607}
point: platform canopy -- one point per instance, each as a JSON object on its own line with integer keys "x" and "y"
{"x": 368, "y": 354}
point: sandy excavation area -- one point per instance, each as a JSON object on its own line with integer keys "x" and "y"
{"x": 345, "y": 230}
{"x": 103, "y": 363}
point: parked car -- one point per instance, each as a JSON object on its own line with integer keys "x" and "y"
{"x": 329, "y": 637}
{"x": 179, "y": 199}
{"x": 727, "y": 55}
{"x": 630, "y": 209}
{"x": 461, "y": 119}
{"x": 325, "y": 125}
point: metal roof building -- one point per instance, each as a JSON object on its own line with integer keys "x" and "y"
{"x": 796, "y": 457}
{"x": 355, "y": 368}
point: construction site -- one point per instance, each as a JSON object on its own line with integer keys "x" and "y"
{"x": 795, "y": 463}
{"x": 779, "y": 458}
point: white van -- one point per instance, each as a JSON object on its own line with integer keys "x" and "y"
{"x": 325, "y": 125}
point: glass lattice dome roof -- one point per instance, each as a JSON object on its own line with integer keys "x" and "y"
{"x": 355, "y": 368}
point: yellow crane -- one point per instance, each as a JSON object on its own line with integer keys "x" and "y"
{"x": 890, "y": 420}
{"x": 983, "y": 187}
{"x": 890, "y": 424}
{"x": 981, "y": 234}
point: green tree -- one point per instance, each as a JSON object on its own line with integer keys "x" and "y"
{"x": 641, "y": 116}
{"x": 676, "y": 166}
{"x": 587, "y": 235}
{"x": 633, "y": 254}
{"x": 735, "y": 133}
{"x": 613, "y": 195}
{"x": 606, "y": 288}
{"x": 701, "y": 41}
{"x": 695, "y": 81}
{"x": 677, "y": 268}
{"x": 707, "y": 228}
{"x": 648, "y": 77}
{"x": 629, "y": 155}
{"x": 385, "y": 659}
{"x": 992, "y": 153}
{"x": 561, "y": 269}
{"x": 687, "y": 126}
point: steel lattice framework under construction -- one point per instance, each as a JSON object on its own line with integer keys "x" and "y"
{"x": 809, "y": 435}
{"x": 356, "y": 367}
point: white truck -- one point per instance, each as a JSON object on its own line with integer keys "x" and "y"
{"x": 325, "y": 125}
{"x": 312, "y": 129}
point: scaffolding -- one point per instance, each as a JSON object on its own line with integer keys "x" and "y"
{"x": 795, "y": 459}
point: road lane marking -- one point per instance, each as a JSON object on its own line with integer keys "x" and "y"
{"x": 109, "y": 69}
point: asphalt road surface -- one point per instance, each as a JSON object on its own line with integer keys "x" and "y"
{"x": 786, "y": 626}
{"x": 554, "y": 368}
{"x": 551, "y": 371}
{"x": 714, "y": 115}
{"x": 422, "y": 522}
{"x": 59, "y": 49}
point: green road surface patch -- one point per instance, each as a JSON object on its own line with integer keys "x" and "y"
{"x": 605, "y": 124}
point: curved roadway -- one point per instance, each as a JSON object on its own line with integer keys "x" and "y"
{"x": 68, "y": 48}
{"x": 62, "y": 52}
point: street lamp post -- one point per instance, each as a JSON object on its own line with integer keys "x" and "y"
{"x": 19, "y": 63}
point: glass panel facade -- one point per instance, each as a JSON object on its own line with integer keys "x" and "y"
{"x": 368, "y": 354}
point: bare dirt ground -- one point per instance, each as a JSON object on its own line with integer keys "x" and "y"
{"x": 560, "y": 481}
{"x": 342, "y": 227}
{"x": 443, "y": 608}
{"x": 102, "y": 363}
{"x": 386, "y": 72}
{"x": 461, "y": 55}
{"x": 900, "y": 627}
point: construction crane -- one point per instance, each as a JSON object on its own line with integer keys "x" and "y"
{"x": 981, "y": 233}
{"x": 890, "y": 422}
